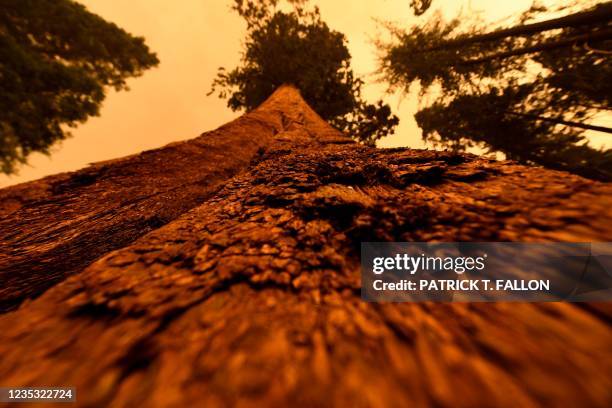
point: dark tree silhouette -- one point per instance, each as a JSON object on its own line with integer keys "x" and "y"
{"x": 530, "y": 91}
{"x": 597, "y": 15}
{"x": 420, "y": 6}
{"x": 299, "y": 48}
{"x": 56, "y": 60}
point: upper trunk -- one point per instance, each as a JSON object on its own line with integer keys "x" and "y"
{"x": 54, "y": 227}
{"x": 252, "y": 296}
{"x": 592, "y": 38}
{"x": 600, "y": 14}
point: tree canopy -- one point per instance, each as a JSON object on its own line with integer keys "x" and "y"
{"x": 56, "y": 59}
{"x": 531, "y": 90}
{"x": 297, "y": 47}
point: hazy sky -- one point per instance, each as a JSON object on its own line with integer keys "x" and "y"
{"x": 194, "y": 37}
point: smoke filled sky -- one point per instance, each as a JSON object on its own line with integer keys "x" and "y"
{"x": 192, "y": 39}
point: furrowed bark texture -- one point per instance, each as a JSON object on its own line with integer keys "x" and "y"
{"x": 54, "y": 227}
{"x": 251, "y": 296}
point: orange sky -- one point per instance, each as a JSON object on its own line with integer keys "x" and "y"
{"x": 194, "y": 37}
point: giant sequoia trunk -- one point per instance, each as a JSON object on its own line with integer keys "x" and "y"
{"x": 225, "y": 270}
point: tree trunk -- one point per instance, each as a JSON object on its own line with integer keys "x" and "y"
{"x": 569, "y": 123}
{"x": 601, "y": 13}
{"x": 249, "y": 294}
{"x": 56, "y": 226}
{"x": 593, "y": 36}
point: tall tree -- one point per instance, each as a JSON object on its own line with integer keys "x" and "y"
{"x": 530, "y": 91}
{"x": 249, "y": 294}
{"x": 297, "y": 47}
{"x": 56, "y": 60}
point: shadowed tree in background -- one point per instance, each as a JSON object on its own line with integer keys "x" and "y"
{"x": 298, "y": 48}
{"x": 420, "y": 6}
{"x": 56, "y": 59}
{"x": 530, "y": 91}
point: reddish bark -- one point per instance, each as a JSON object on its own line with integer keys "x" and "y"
{"x": 251, "y": 297}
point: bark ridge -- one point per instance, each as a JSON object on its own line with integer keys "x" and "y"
{"x": 247, "y": 291}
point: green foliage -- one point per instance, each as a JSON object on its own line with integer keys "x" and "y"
{"x": 298, "y": 48}
{"x": 406, "y": 61}
{"x": 510, "y": 93}
{"x": 56, "y": 59}
{"x": 476, "y": 119}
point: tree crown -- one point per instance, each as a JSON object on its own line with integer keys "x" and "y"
{"x": 529, "y": 90}
{"x": 57, "y": 58}
{"x": 298, "y": 48}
